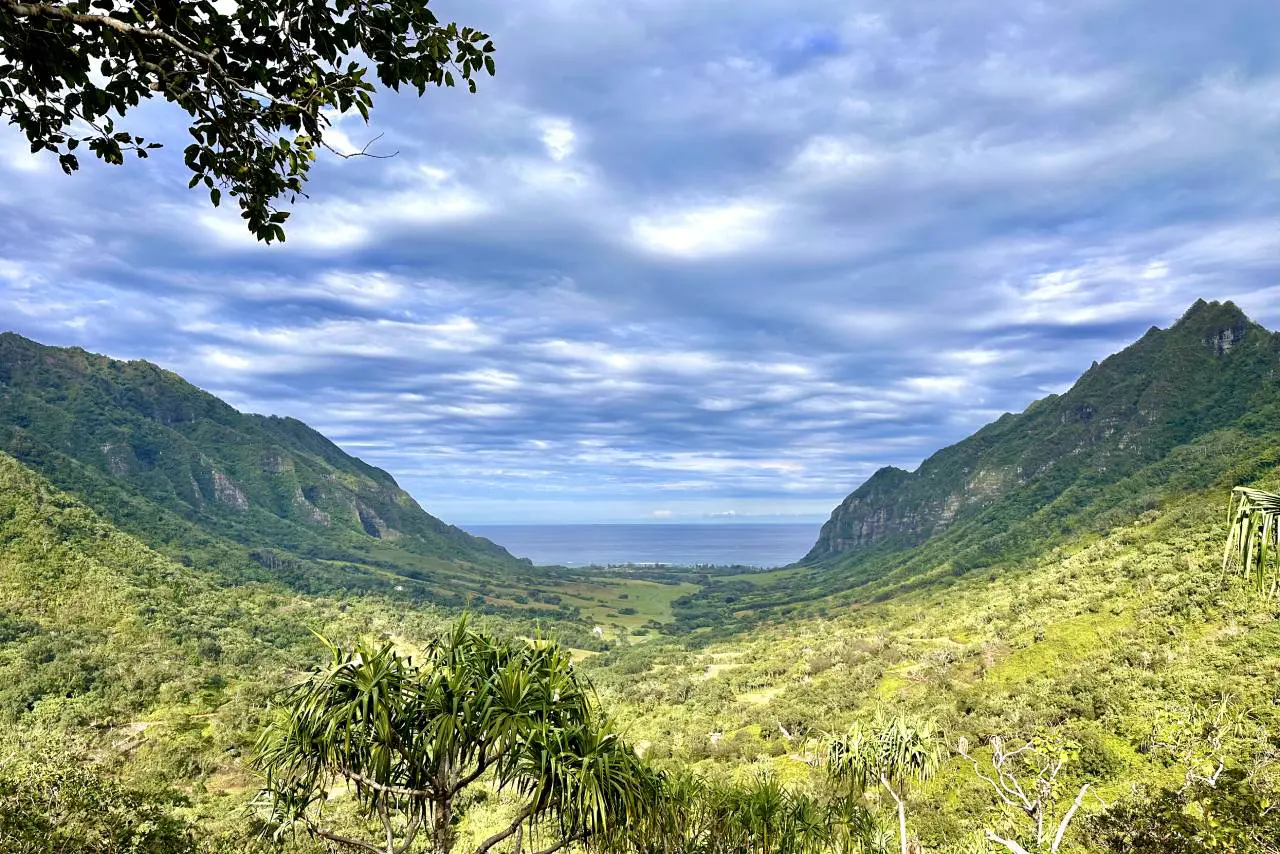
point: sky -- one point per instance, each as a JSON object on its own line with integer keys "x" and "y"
{"x": 688, "y": 260}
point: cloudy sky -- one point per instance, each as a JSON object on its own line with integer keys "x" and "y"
{"x": 686, "y": 258}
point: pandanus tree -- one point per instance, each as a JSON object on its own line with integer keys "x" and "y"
{"x": 407, "y": 739}
{"x": 893, "y": 753}
{"x": 756, "y": 817}
{"x": 1252, "y": 537}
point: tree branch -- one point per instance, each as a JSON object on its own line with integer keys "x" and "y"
{"x": 344, "y": 840}
{"x": 389, "y": 828}
{"x": 1011, "y": 794}
{"x": 999, "y": 789}
{"x": 362, "y": 780}
{"x": 45, "y": 10}
{"x": 506, "y": 832}
{"x": 1066, "y": 819}
{"x": 485, "y": 762}
{"x": 364, "y": 152}
{"x": 410, "y": 832}
{"x": 568, "y": 840}
{"x": 1007, "y": 843}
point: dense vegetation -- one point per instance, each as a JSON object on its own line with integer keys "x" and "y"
{"x": 1094, "y": 682}
{"x": 260, "y": 499}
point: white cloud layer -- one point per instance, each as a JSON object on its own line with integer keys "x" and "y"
{"x": 682, "y": 259}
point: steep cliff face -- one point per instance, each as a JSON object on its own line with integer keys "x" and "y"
{"x": 1206, "y": 372}
{"x": 189, "y": 474}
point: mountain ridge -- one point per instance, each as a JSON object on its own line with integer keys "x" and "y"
{"x": 1180, "y": 410}
{"x": 256, "y": 495}
{"x": 908, "y": 508}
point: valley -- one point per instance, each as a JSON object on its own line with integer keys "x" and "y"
{"x": 166, "y": 564}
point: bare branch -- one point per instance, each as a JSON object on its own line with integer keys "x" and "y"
{"x": 364, "y": 152}
{"x": 1007, "y": 843}
{"x": 1066, "y": 819}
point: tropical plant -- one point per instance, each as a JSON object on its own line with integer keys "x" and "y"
{"x": 893, "y": 752}
{"x": 760, "y": 816}
{"x": 259, "y": 80}
{"x": 408, "y": 740}
{"x": 1252, "y": 537}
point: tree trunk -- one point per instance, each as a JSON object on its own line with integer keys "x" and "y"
{"x": 902, "y": 824}
{"x": 442, "y": 827}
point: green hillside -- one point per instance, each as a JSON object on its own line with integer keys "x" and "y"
{"x": 1181, "y": 409}
{"x": 1208, "y": 371}
{"x": 257, "y": 497}
{"x": 1119, "y": 643}
{"x": 129, "y": 677}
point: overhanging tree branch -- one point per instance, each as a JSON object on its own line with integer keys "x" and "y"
{"x": 257, "y": 82}
{"x": 32, "y": 10}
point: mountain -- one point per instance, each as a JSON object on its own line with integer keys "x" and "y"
{"x": 1208, "y": 371}
{"x": 1186, "y": 408}
{"x": 254, "y": 497}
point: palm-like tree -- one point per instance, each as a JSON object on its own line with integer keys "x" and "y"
{"x": 894, "y": 752}
{"x": 757, "y": 817}
{"x": 408, "y": 739}
{"x": 1253, "y": 537}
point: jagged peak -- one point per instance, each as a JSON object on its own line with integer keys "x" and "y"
{"x": 1202, "y": 312}
{"x": 1219, "y": 326}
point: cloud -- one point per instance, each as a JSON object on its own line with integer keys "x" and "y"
{"x": 558, "y": 137}
{"x": 705, "y": 231}
{"x": 710, "y": 258}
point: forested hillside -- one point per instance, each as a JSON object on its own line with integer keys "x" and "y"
{"x": 128, "y": 678}
{"x": 256, "y": 497}
{"x": 1132, "y": 651}
{"x": 1181, "y": 409}
{"x": 1208, "y": 371}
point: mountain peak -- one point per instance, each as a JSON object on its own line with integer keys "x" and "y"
{"x": 1220, "y": 326}
{"x": 1202, "y": 311}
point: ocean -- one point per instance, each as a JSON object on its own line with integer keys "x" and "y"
{"x": 739, "y": 543}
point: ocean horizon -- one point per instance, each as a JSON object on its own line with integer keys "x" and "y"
{"x": 755, "y": 544}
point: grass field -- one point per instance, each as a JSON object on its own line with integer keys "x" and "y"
{"x": 624, "y": 605}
